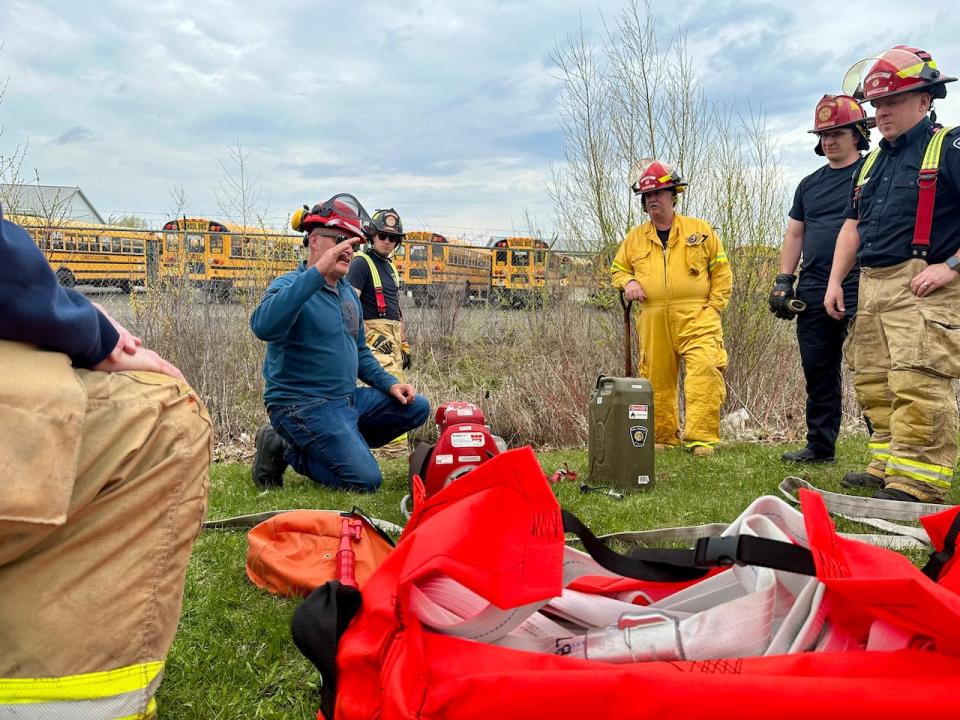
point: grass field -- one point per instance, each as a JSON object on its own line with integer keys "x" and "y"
{"x": 233, "y": 656}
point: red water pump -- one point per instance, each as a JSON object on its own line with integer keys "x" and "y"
{"x": 465, "y": 441}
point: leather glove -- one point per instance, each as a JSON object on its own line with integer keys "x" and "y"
{"x": 407, "y": 357}
{"x": 781, "y": 292}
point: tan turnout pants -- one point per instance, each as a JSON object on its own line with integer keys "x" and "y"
{"x": 384, "y": 339}
{"x": 104, "y": 489}
{"x": 905, "y": 352}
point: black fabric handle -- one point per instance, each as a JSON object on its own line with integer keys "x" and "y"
{"x": 316, "y": 627}
{"x": 668, "y": 565}
{"x": 939, "y": 560}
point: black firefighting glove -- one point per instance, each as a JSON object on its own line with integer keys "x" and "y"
{"x": 782, "y": 291}
{"x": 382, "y": 345}
{"x": 405, "y": 354}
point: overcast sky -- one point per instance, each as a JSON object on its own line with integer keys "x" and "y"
{"x": 444, "y": 110}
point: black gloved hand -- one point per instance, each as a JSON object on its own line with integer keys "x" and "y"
{"x": 782, "y": 291}
{"x": 407, "y": 360}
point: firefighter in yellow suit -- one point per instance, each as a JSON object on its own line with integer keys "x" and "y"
{"x": 676, "y": 268}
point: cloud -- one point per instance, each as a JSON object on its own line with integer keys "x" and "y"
{"x": 447, "y": 111}
{"x": 76, "y": 134}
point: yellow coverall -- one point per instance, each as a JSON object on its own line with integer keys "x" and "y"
{"x": 687, "y": 285}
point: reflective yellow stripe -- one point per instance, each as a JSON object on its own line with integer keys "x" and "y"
{"x": 931, "y": 157}
{"x": 913, "y": 70}
{"x": 868, "y": 163}
{"x": 879, "y": 451}
{"x": 721, "y": 258}
{"x": 376, "y": 276}
{"x": 699, "y": 443}
{"x": 617, "y": 266}
{"x": 938, "y": 475}
{"x": 91, "y": 686}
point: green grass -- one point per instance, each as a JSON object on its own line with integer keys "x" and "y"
{"x": 233, "y": 656}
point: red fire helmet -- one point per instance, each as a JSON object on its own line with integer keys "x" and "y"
{"x": 899, "y": 70}
{"x": 649, "y": 175}
{"x": 839, "y": 111}
{"x": 342, "y": 211}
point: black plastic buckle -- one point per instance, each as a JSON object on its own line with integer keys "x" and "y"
{"x": 716, "y": 551}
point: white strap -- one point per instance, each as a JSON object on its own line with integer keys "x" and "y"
{"x": 869, "y": 511}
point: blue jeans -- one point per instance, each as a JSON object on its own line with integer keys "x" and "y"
{"x": 329, "y": 440}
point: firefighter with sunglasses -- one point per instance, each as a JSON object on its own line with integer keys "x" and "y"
{"x": 903, "y": 225}
{"x": 374, "y": 277}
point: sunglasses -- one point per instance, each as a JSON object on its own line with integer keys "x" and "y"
{"x": 391, "y": 238}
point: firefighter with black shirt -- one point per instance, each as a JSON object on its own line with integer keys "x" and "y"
{"x": 904, "y": 217}
{"x": 374, "y": 277}
{"x": 842, "y": 130}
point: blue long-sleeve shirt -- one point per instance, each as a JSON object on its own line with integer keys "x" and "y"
{"x": 315, "y": 340}
{"x": 36, "y": 310}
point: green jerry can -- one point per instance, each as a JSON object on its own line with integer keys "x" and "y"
{"x": 621, "y": 450}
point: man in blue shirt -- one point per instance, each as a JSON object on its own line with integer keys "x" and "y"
{"x": 321, "y": 423}
{"x": 905, "y": 347}
{"x": 842, "y": 133}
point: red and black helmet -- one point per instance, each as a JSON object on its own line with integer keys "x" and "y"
{"x": 342, "y": 211}
{"x": 900, "y": 69}
{"x": 386, "y": 222}
{"x": 842, "y": 111}
{"x": 649, "y": 175}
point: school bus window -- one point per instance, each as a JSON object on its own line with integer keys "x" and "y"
{"x": 501, "y": 257}
{"x": 437, "y": 252}
{"x": 137, "y": 246}
{"x": 418, "y": 253}
{"x": 538, "y": 257}
{"x": 116, "y": 245}
{"x": 216, "y": 243}
{"x": 520, "y": 258}
{"x": 173, "y": 242}
{"x": 194, "y": 243}
{"x": 70, "y": 243}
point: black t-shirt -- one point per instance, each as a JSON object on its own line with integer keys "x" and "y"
{"x": 360, "y": 278}
{"x": 887, "y": 206}
{"x": 819, "y": 203}
{"x": 664, "y": 235}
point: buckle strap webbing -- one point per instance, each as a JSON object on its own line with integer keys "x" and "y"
{"x": 926, "y": 198}
{"x": 378, "y": 283}
{"x": 677, "y": 565}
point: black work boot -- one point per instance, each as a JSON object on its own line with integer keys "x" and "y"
{"x": 894, "y": 494}
{"x": 806, "y": 455}
{"x": 855, "y": 479}
{"x": 269, "y": 463}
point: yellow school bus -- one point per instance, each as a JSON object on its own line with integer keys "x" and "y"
{"x": 519, "y": 275}
{"x": 221, "y": 257}
{"x": 440, "y": 268}
{"x": 90, "y": 254}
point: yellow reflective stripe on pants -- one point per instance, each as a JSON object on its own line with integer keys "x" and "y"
{"x": 936, "y": 475}
{"x": 700, "y": 443}
{"x": 121, "y": 694}
{"x": 879, "y": 451}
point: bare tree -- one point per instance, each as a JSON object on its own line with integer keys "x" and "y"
{"x": 240, "y": 193}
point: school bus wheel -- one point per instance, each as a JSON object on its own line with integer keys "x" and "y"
{"x": 66, "y": 278}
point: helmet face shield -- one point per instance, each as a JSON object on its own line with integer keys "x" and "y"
{"x": 342, "y": 211}
{"x": 900, "y": 69}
